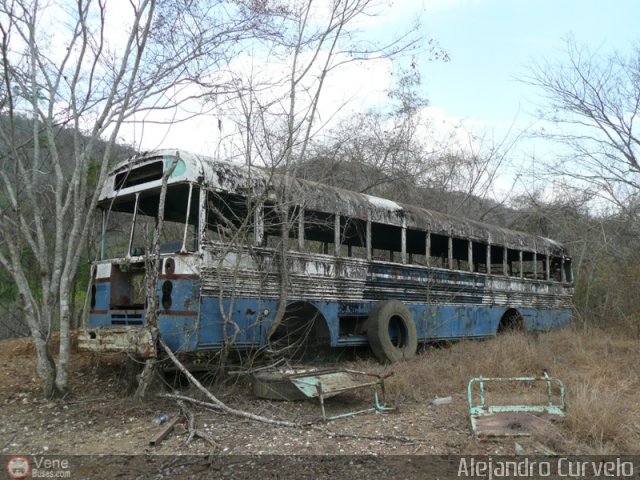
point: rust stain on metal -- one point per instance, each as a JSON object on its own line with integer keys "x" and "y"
{"x": 316, "y": 279}
{"x": 131, "y": 339}
{"x": 513, "y": 420}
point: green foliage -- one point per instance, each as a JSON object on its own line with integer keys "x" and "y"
{"x": 8, "y": 289}
{"x": 93, "y": 172}
{"x": 604, "y": 249}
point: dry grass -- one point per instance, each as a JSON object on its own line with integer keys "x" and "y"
{"x": 600, "y": 370}
{"x": 24, "y": 347}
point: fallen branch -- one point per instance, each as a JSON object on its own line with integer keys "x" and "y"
{"x": 214, "y": 400}
{"x": 218, "y": 406}
{"x": 193, "y": 431}
{"x": 311, "y": 426}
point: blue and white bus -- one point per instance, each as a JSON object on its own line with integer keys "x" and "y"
{"x": 339, "y": 267}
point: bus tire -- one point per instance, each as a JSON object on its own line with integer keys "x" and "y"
{"x": 275, "y": 386}
{"x": 381, "y": 317}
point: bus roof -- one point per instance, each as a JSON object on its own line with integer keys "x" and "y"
{"x": 147, "y": 167}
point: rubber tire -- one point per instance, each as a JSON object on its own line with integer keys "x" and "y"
{"x": 275, "y": 386}
{"x": 378, "y": 332}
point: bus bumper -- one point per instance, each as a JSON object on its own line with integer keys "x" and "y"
{"x": 137, "y": 340}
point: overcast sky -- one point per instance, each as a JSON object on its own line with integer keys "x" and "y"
{"x": 489, "y": 42}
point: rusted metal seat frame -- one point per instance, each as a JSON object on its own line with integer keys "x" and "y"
{"x": 338, "y": 381}
{"x": 481, "y": 410}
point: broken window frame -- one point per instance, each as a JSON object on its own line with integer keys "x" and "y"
{"x": 135, "y": 214}
{"x": 477, "y": 256}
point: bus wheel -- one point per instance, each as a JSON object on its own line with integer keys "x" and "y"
{"x": 302, "y": 335}
{"x": 392, "y": 332}
{"x": 511, "y": 322}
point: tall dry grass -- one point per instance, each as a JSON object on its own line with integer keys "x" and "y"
{"x": 600, "y": 370}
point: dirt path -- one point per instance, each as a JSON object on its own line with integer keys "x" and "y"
{"x": 97, "y": 418}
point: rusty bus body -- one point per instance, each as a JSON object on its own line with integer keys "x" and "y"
{"x": 221, "y": 271}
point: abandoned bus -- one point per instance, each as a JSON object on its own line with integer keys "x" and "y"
{"x": 240, "y": 267}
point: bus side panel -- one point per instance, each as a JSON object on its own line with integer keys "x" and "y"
{"x": 178, "y": 324}
{"x": 434, "y": 322}
{"x": 179, "y": 332}
{"x": 99, "y": 314}
{"x": 247, "y": 320}
{"x": 546, "y": 319}
{"x": 433, "y": 287}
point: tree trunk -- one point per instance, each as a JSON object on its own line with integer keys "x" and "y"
{"x": 283, "y": 264}
{"x": 146, "y": 379}
{"x": 45, "y": 365}
{"x": 151, "y": 281}
{"x": 64, "y": 351}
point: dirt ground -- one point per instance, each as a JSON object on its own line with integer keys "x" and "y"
{"x": 98, "y": 417}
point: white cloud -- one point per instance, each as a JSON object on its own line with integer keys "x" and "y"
{"x": 355, "y": 86}
{"x": 393, "y": 12}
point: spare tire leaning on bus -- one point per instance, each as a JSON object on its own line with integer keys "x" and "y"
{"x": 387, "y": 314}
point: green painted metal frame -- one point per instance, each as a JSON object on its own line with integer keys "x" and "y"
{"x": 476, "y": 411}
{"x": 339, "y": 381}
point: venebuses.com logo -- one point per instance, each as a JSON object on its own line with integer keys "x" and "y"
{"x": 38, "y": 467}
{"x": 18, "y": 467}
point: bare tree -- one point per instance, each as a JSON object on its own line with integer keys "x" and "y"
{"x": 397, "y": 153}
{"x": 66, "y": 93}
{"x": 152, "y": 262}
{"x": 604, "y": 246}
{"x": 378, "y": 150}
{"x": 280, "y": 113}
{"x": 592, "y": 106}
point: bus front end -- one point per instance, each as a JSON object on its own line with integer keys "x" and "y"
{"x": 132, "y": 246}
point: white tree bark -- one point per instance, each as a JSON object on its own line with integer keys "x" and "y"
{"x": 64, "y": 97}
{"x": 278, "y": 131}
